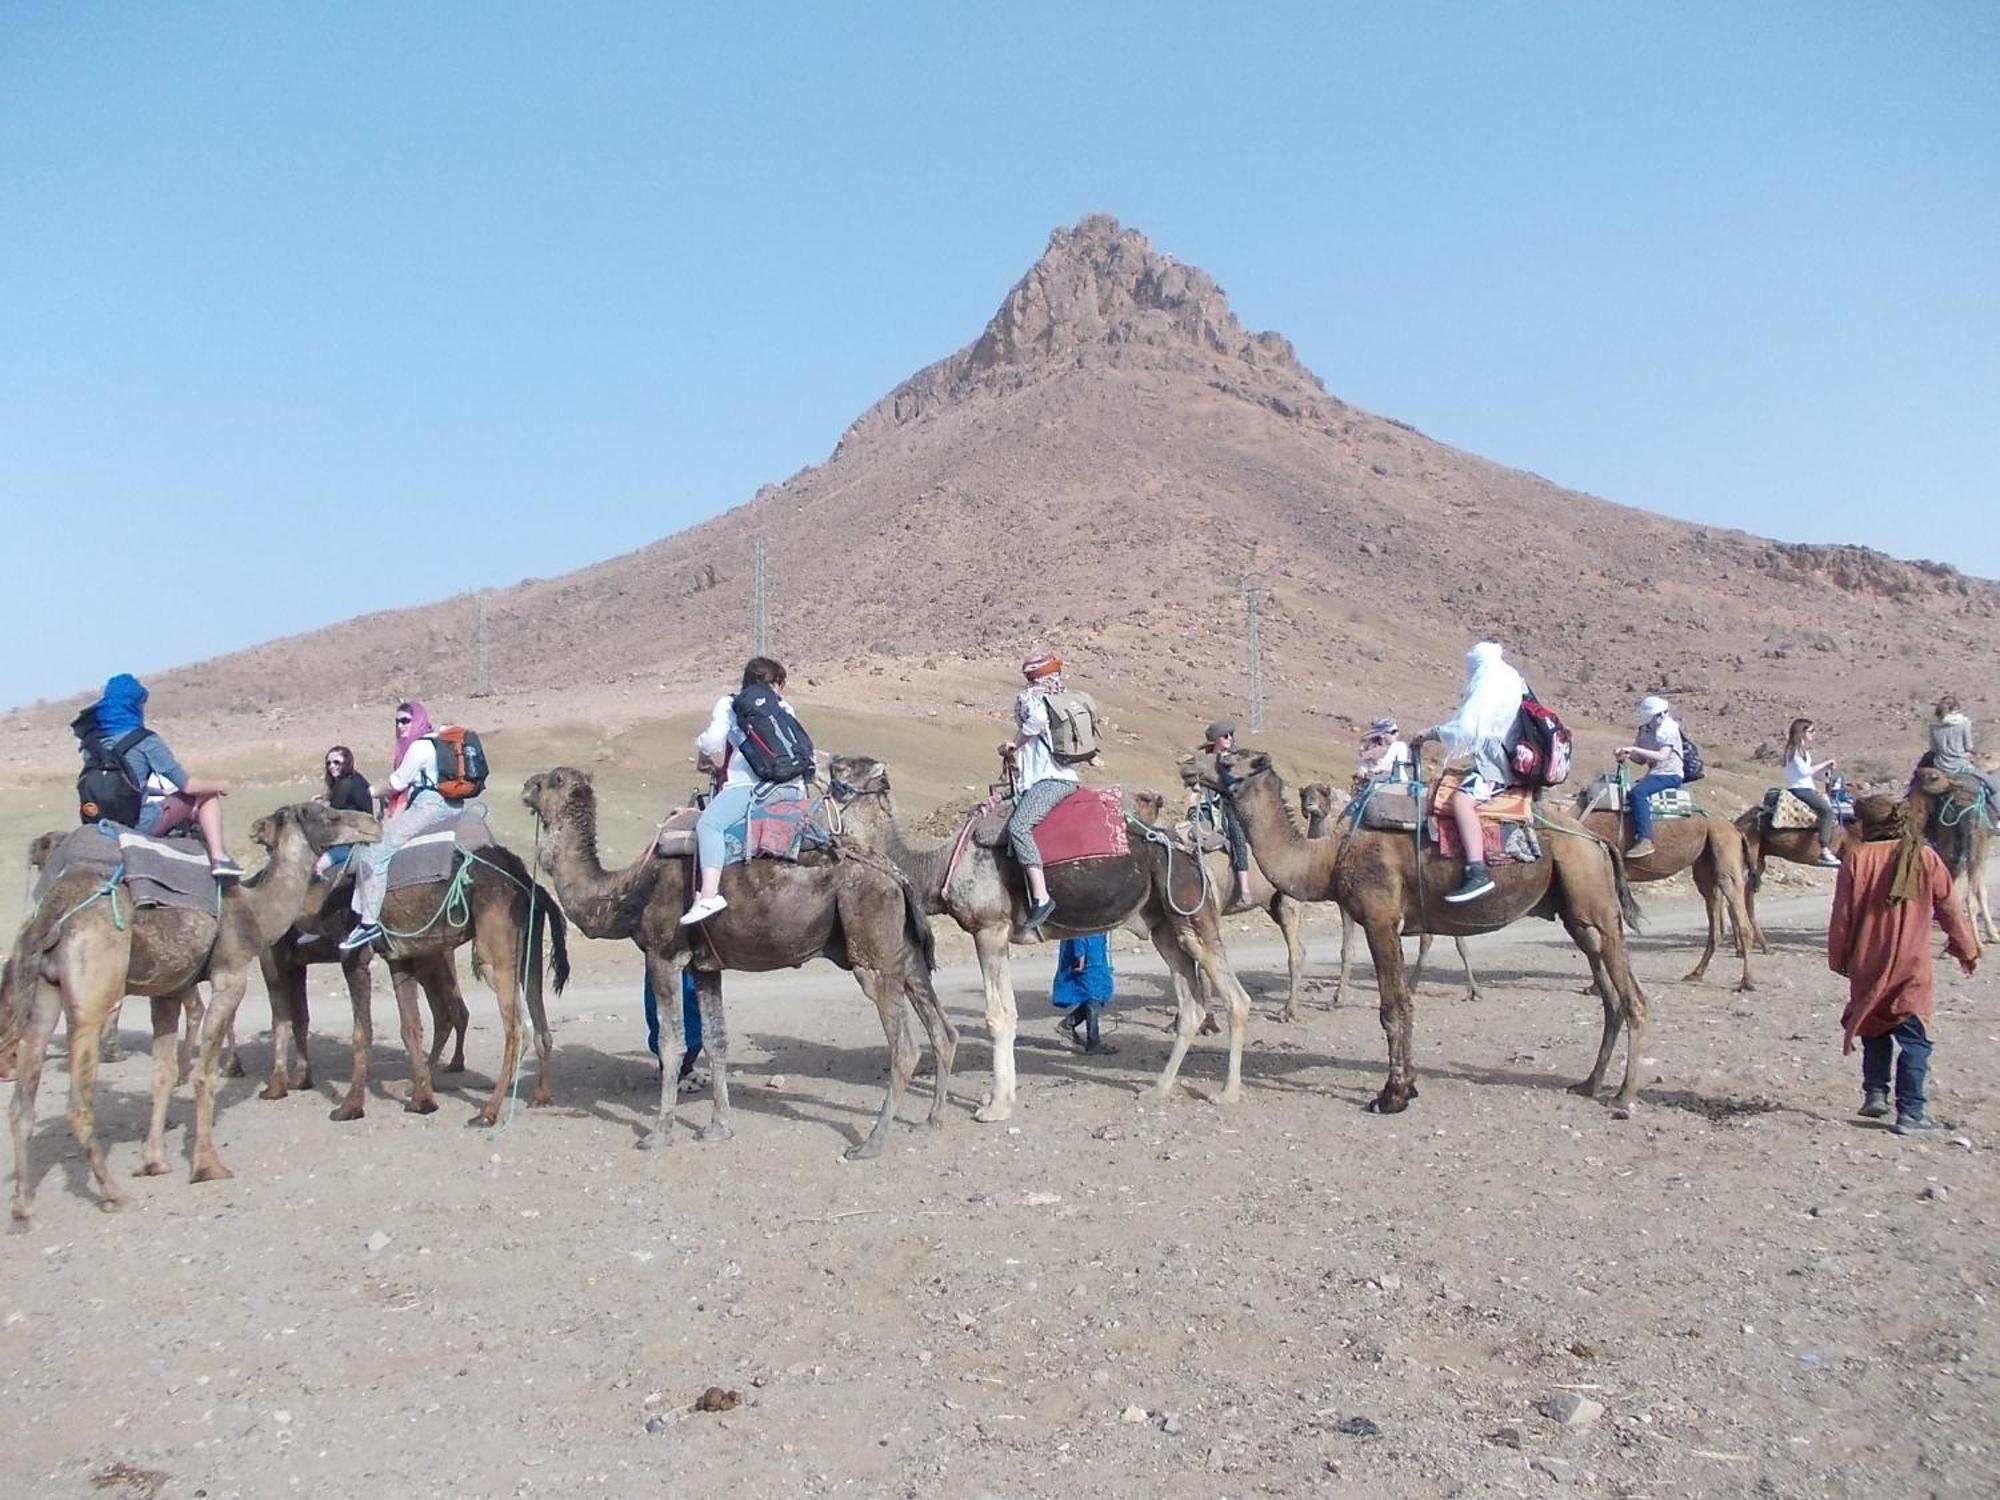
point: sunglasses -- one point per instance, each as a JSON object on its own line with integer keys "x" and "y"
{"x": 335, "y": 764}
{"x": 403, "y": 719}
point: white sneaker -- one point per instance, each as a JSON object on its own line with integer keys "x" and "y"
{"x": 703, "y": 909}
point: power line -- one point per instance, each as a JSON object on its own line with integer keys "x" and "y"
{"x": 760, "y": 620}
{"x": 480, "y": 686}
{"x": 1253, "y": 642}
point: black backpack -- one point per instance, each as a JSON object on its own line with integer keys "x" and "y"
{"x": 775, "y": 743}
{"x": 1692, "y": 766}
{"x": 1538, "y": 747}
{"x": 105, "y": 790}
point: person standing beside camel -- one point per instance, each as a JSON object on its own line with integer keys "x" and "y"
{"x": 1659, "y": 748}
{"x": 1217, "y": 739}
{"x": 1802, "y": 775}
{"x": 411, "y": 805}
{"x": 1040, "y": 780}
{"x": 1475, "y": 738}
{"x": 1082, "y": 987}
{"x": 169, "y": 796}
{"x": 1891, "y": 887}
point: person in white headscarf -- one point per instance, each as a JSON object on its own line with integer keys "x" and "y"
{"x": 1475, "y": 738}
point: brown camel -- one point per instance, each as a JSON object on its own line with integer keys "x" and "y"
{"x": 842, "y": 904}
{"x": 985, "y": 894}
{"x": 1378, "y": 878}
{"x": 1711, "y": 846}
{"x": 500, "y": 910}
{"x": 1761, "y": 842}
{"x": 1150, "y": 806}
{"x": 80, "y": 954}
{"x": 325, "y": 917}
{"x": 1961, "y": 829}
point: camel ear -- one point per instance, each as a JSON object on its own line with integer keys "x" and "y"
{"x": 1260, "y": 762}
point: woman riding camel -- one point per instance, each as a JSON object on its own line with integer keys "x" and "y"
{"x": 1659, "y": 748}
{"x": 1040, "y": 780}
{"x": 411, "y": 805}
{"x": 347, "y": 790}
{"x": 1475, "y": 738}
{"x": 170, "y": 797}
{"x": 1951, "y": 747}
{"x": 720, "y": 744}
{"x": 1382, "y": 756}
{"x": 1802, "y": 775}
{"x": 1220, "y": 813}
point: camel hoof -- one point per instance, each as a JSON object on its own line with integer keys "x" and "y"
{"x": 1745, "y": 986}
{"x": 541, "y": 1099}
{"x": 868, "y": 1150}
{"x": 235, "y": 1068}
{"x": 486, "y": 1119}
{"x": 1386, "y": 1103}
{"x": 1585, "y": 1090}
{"x": 153, "y": 1169}
{"x": 350, "y": 1109}
{"x": 715, "y": 1131}
{"x": 456, "y": 1065}
{"x": 420, "y": 1107}
{"x": 116, "y": 1205}
{"x": 213, "y": 1171}
{"x": 1231, "y": 1095}
{"x": 991, "y": 1113}
{"x": 272, "y": 1091}
{"x": 654, "y": 1140}
{"x": 1624, "y": 1109}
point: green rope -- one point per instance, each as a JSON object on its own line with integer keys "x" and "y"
{"x": 455, "y": 908}
{"x": 105, "y": 892}
{"x": 534, "y": 890}
{"x": 1975, "y": 808}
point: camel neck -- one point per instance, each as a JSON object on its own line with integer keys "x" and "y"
{"x": 1296, "y": 864}
{"x": 878, "y": 827}
{"x": 602, "y": 903}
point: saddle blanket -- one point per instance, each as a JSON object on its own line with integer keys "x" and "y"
{"x": 1514, "y": 804}
{"x": 1783, "y": 810}
{"x": 777, "y": 827}
{"x": 1608, "y": 794}
{"x": 1087, "y": 824}
{"x": 157, "y": 872}
{"x": 1388, "y": 807}
{"x": 1506, "y": 843}
{"x": 430, "y": 857}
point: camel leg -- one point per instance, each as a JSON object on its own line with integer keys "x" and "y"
{"x": 1590, "y": 945}
{"x": 1385, "y": 947}
{"x": 666, "y": 977}
{"x": 1711, "y": 899}
{"x": 1346, "y": 957}
{"x": 31, "y": 1053}
{"x": 1624, "y": 1003}
{"x": 1290, "y": 917}
{"x": 284, "y": 988}
{"x": 232, "y": 1060}
{"x": 1212, "y": 960}
{"x": 193, "y": 1009}
{"x": 1735, "y": 895}
{"x": 354, "y": 968}
{"x": 1423, "y": 956}
{"x": 166, "y": 1026}
{"x": 109, "y": 1047}
{"x": 421, "y": 1101}
{"x": 714, "y": 1042}
{"x": 225, "y": 993}
{"x": 503, "y": 969}
{"x": 996, "y": 974}
{"x": 943, "y": 1036}
{"x": 886, "y": 991}
{"x": 1465, "y": 962}
{"x": 1750, "y": 889}
{"x": 1982, "y": 910}
{"x": 85, "y": 1031}
{"x": 449, "y": 1013}
{"x": 1188, "y": 1013}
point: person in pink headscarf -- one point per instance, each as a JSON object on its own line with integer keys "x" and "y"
{"x": 412, "y": 804}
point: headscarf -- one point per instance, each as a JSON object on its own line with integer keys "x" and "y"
{"x": 122, "y": 707}
{"x": 1493, "y": 693}
{"x": 419, "y": 726}
{"x": 1382, "y": 729}
{"x": 1884, "y": 818}
{"x": 1042, "y": 668}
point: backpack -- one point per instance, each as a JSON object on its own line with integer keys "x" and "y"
{"x": 105, "y": 790}
{"x": 1693, "y": 768}
{"x": 1538, "y": 746}
{"x": 1072, "y": 727}
{"x": 776, "y": 744}
{"x": 461, "y": 762}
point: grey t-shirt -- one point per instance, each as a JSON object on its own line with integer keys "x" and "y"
{"x": 1665, "y": 735}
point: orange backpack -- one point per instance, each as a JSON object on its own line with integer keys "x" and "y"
{"x": 461, "y": 762}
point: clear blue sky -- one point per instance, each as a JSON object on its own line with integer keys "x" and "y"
{"x": 355, "y": 305}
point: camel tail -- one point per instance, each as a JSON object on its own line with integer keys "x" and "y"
{"x": 552, "y": 913}
{"x": 1753, "y": 877}
{"x": 918, "y": 926}
{"x": 1628, "y": 904}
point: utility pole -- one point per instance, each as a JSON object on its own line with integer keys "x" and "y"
{"x": 481, "y": 688}
{"x": 1253, "y": 638}
{"x": 760, "y": 620}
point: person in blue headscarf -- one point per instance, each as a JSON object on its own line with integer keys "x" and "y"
{"x": 1083, "y": 988}
{"x": 116, "y": 725}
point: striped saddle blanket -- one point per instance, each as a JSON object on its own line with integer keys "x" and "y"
{"x": 169, "y": 872}
{"x": 431, "y": 857}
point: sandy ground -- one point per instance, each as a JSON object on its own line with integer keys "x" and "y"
{"x": 1107, "y": 1297}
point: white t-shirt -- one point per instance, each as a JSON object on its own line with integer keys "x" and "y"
{"x": 1037, "y": 760}
{"x": 1799, "y": 772}
{"x": 1391, "y": 763}
{"x": 418, "y": 767}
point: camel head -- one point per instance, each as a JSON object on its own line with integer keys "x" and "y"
{"x": 41, "y": 844}
{"x": 559, "y": 795}
{"x": 852, "y": 776}
{"x": 1319, "y": 800}
{"x": 1150, "y": 806}
{"x": 321, "y": 826}
{"x": 1190, "y": 769}
{"x": 1242, "y": 766}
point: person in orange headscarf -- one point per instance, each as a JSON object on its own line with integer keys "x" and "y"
{"x": 1891, "y": 886}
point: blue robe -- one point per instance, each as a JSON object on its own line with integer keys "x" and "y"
{"x": 1083, "y": 973}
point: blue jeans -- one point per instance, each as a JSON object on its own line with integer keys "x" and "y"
{"x": 730, "y": 805}
{"x": 690, "y": 1017}
{"x": 1911, "y": 1047}
{"x": 1639, "y": 797}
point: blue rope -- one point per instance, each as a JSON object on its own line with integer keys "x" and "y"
{"x": 107, "y": 891}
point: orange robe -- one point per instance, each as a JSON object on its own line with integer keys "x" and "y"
{"x": 1883, "y": 949}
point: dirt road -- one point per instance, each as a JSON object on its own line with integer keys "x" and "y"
{"x": 1107, "y": 1297}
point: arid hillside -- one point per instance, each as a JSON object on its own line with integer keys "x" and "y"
{"x": 1100, "y": 470}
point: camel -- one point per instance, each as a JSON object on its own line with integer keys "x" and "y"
{"x": 324, "y": 918}
{"x": 1715, "y": 849}
{"x": 984, "y": 893}
{"x": 1761, "y": 842}
{"x": 1150, "y": 807}
{"x": 845, "y": 905}
{"x": 1377, "y": 877}
{"x": 81, "y": 954}
{"x": 502, "y": 912}
{"x": 1961, "y": 829}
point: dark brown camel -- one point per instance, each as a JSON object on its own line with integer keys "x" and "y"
{"x": 1710, "y": 846}
{"x": 501, "y": 912}
{"x": 1761, "y": 842}
{"x": 986, "y": 896}
{"x": 79, "y": 954}
{"x": 325, "y": 917}
{"x": 1376, "y": 877}
{"x": 842, "y": 904}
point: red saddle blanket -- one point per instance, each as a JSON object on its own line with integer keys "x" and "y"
{"x": 1087, "y": 824}
{"x": 1506, "y": 843}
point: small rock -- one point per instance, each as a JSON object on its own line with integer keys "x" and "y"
{"x": 653, "y": 1399}
{"x": 1572, "y": 1409}
{"x": 1390, "y": 1283}
{"x": 377, "y": 1242}
{"x": 656, "y": 1425}
{"x": 1170, "y": 1423}
{"x": 1936, "y": 1192}
{"x": 1135, "y": 1415}
{"x": 1039, "y": 1200}
{"x": 1505, "y": 1437}
{"x": 1554, "y": 1468}
{"x": 1582, "y": 1350}
{"x": 1100, "y": 1377}
{"x": 775, "y": 1081}
{"x": 715, "y": 1398}
{"x": 1105, "y": 1133}
{"x": 1361, "y": 1427}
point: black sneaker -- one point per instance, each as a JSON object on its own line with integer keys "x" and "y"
{"x": 1916, "y": 1125}
{"x": 1040, "y": 912}
{"x": 361, "y": 937}
{"x": 1874, "y": 1104}
{"x": 1067, "y": 1028}
{"x": 1476, "y": 884}
{"x": 226, "y": 870}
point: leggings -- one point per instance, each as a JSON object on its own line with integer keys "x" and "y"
{"x": 1035, "y": 804}
{"x": 370, "y": 862}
